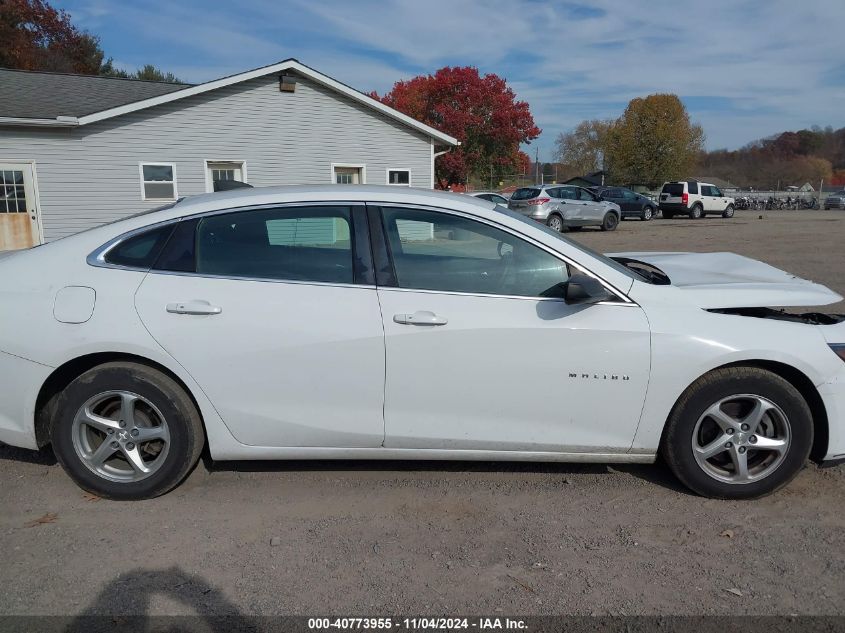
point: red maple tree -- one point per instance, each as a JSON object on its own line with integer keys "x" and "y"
{"x": 35, "y": 36}
{"x": 482, "y": 112}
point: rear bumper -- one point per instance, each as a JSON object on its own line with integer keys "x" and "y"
{"x": 19, "y": 386}
{"x": 674, "y": 206}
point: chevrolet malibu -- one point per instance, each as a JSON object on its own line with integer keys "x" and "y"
{"x": 388, "y": 323}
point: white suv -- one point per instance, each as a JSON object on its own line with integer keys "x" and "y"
{"x": 695, "y": 199}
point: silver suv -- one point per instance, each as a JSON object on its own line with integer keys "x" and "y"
{"x": 564, "y": 207}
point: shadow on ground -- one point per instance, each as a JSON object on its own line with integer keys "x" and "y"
{"x": 124, "y": 604}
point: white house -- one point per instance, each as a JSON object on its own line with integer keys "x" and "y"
{"x": 77, "y": 151}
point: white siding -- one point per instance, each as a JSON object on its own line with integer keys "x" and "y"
{"x": 89, "y": 175}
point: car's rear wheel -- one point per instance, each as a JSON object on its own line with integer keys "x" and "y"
{"x": 126, "y": 431}
{"x": 555, "y": 223}
{"x": 738, "y": 433}
{"x": 696, "y": 212}
{"x": 648, "y": 213}
{"x": 729, "y": 212}
{"x": 610, "y": 222}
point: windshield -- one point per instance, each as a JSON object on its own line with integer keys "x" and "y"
{"x": 587, "y": 251}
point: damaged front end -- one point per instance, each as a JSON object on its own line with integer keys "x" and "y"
{"x": 810, "y": 318}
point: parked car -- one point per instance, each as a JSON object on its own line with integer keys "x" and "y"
{"x": 356, "y": 322}
{"x": 835, "y": 200}
{"x": 490, "y": 196}
{"x": 695, "y": 199}
{"x": 633, "y": 205}
{"x": 565, "y": 207}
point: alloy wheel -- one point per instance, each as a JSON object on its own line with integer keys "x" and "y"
{"x": 555, "y": 223}
{"x": 121, "y": 436}
{"x": 741, "y": 439}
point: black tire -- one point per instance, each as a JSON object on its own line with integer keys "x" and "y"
{"x": 186, "y": 436}
{"x": 677, "y": 444}
{"x": 729, "y": 212}
{"x": 610, "y": 222}
{"x": 648, "y": 214}
{"x": 696, "y": 212}
{"x": 555, "y": 223}
{"x": 668, "y": 215}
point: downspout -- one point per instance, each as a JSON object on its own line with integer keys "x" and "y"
{"x": 434, "y": 155}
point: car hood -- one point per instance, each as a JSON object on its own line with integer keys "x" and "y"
{"x": 727, "y": 280}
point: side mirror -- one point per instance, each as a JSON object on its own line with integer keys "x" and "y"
{"x": 582, "y": 288}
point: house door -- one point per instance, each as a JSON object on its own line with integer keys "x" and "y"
{"x": 18, "y": 213}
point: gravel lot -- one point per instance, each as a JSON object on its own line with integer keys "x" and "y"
{"x": 389, "y": 538}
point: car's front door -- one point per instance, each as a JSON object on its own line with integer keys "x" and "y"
{"x": 594, "y": 209}
{"x": 270, "y": 311}
{"x": 483, "y": 353}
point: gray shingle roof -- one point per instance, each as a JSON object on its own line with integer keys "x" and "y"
{"x": 37, "y": 95}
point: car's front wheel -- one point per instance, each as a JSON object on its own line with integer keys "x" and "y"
{"x": 738, "y": 433}
{"x": 648, "y": 213}
{"x": 610, "y": 222}
{"x": 126, "y": 431}
{"x": 729, "y": 212}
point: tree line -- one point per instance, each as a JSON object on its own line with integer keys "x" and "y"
{"x": 654, "y": 141}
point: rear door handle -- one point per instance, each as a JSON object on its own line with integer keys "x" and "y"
{"x": 420, "y": 317}
{"x": 197, "y": 306}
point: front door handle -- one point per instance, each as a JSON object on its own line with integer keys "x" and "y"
{"x": 197, "y": 306}
{"x": 420, "y": 317}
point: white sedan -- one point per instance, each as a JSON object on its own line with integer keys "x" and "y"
{"x": 387, "y": 323}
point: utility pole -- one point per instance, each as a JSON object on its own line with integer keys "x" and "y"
{"x": 537, "y": 165}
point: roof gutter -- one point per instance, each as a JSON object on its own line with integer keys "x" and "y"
{"x": 59, "y": 121}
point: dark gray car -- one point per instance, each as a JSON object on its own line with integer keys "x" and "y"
{"x": 633, "y": 204}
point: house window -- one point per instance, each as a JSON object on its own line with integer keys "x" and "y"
{"x": 399, "y": 177}
{"x": 158, "y": 181}
{"x": 348, "y": 174}
{"x": 223, "y": 170}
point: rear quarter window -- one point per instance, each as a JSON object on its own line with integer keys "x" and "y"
{"x": 526, "y": 193}
{"x": 140, "y": 251}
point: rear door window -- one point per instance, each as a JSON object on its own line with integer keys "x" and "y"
{"x": 297, "y": 244}
{"x": 526, "y": 193}
{"x": 693, "y": 187}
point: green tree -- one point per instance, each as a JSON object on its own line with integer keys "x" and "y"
{"x": 653, "y": 141}
{"x": 583, "y": 149}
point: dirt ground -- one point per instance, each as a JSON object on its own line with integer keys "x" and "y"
{"x": 445, "y": 538}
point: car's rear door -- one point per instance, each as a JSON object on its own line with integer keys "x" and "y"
{"x": 484, "y": 354}
{"x": 274, "y": 312}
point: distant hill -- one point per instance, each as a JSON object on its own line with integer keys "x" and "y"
{"x": 789, "y": 158}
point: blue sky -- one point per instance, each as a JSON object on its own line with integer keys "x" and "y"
{"x": 744, "y": 69}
